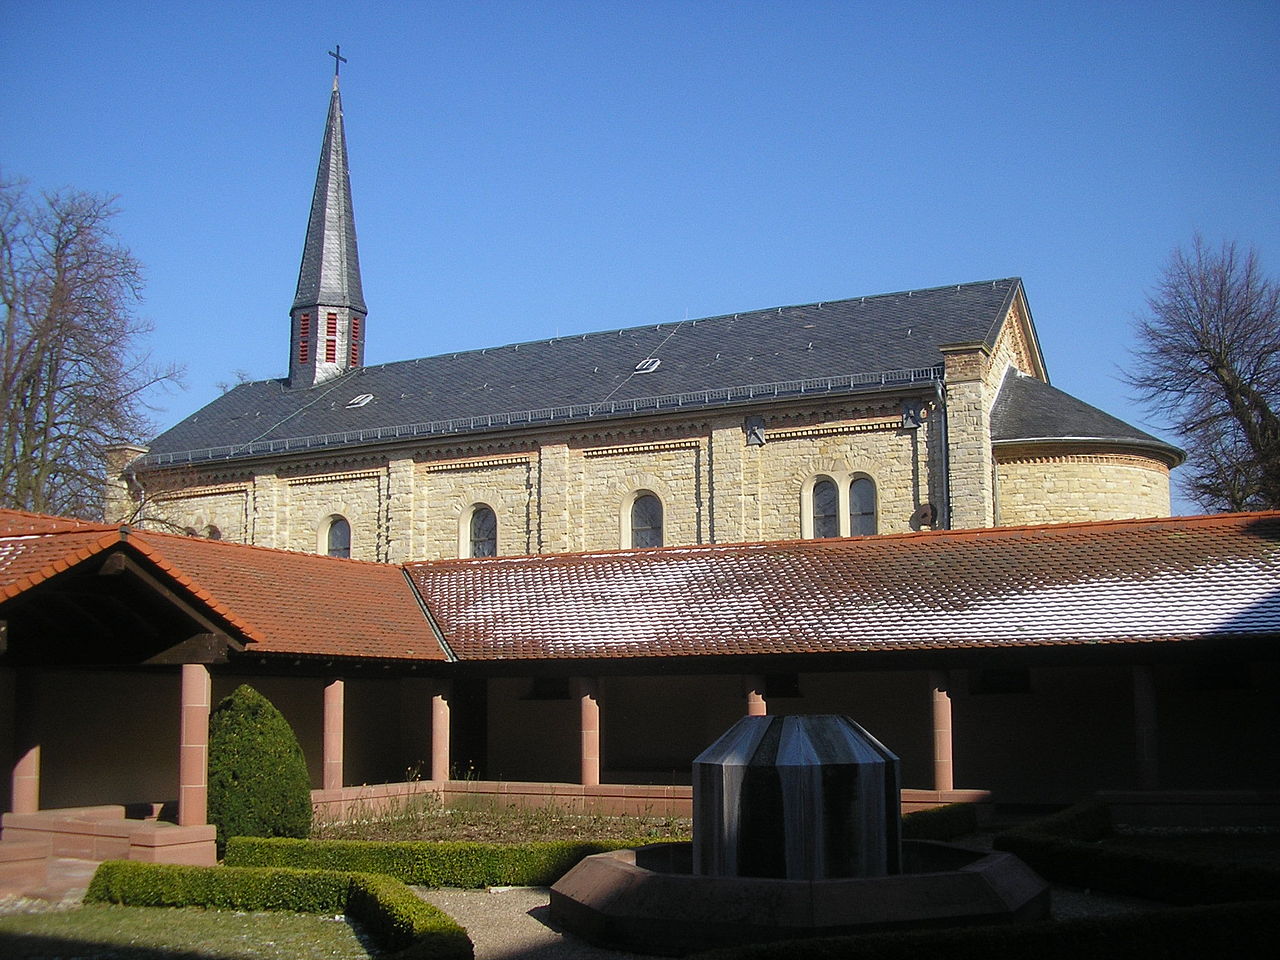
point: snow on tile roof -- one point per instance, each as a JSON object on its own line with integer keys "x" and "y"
{"x": 1134, "y": 581}
{"x": 1117, "y": 582}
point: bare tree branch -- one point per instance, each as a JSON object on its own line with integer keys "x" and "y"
{"x": 1208, "y": 361}
{"x": 72, "y": 376}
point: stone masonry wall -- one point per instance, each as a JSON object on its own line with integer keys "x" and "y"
{"x": 446, "y": 490}
{"x": 1072, "y": 487}
{"x": 572, "y": 490}
{"x": 225, "y": 507}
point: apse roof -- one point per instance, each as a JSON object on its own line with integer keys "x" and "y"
{"x": 1027, "y": 409}
{"x": 832, "y": 347}
{"x": 1138, "y": 581}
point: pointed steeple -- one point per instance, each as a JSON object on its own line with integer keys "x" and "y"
{"x": 328, "y": 309}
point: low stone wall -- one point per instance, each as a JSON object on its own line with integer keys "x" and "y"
{"x": 104, "y": 833}
{"x": 24, "y": 865}
{"x": 604, "y": 799}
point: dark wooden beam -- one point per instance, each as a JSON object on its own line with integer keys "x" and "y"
{"x": 207, "y": 648}
{"x": 121, "y": 563}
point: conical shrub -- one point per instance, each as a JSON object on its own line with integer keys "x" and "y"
{"x": 258, "y": 782}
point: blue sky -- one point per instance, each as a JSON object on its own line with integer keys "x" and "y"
{"x": 527, "y": 170}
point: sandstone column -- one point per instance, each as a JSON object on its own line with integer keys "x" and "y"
{"x": 440, "y": 732}
{"x": 587, "y": 692}
{"x": 26, "y": 781}
{"x": 25, "y": 775}
{"x": 193, "y": 756}
{"x": 334, "y": 723}
{"x": 943, "y": 774}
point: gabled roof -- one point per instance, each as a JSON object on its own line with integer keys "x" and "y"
{"x": 278, "y": 601}
{"x": 1029, "y": 410}
{"x": 1137, "y": 581}
{"x": 833, "y": 347}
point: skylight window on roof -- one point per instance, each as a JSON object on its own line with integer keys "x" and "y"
{"x": 359, "y": 401}
{"x": 648, "y": 365}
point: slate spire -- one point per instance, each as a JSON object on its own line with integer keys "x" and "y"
{"x": 327, "y": 329}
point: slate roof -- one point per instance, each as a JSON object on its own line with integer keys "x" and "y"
{"x": 279, "y": 601}
{"x": 1135, "y": 581}
{"x": 1027, "y": 409}
{"x": 330, "y": 271}
{"x": 844, "y": 346}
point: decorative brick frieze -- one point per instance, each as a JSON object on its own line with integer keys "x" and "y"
{"x": 642, "y": 448}
{"x": 440, "y": 466}
{"x": 213, "y": 490}
{"x": 805, "y": 433}
{"x": 334, "y": 477}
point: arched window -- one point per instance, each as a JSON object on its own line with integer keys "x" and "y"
{"x": 646, "y": 521}
{"x": 484, "y": 531}
{"x": 862, "y": 507}
{"x": 213, "y": 533}
{"x": 826, "y": 508}
{"x": 339, "y": 538}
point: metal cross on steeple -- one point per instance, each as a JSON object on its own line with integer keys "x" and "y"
{"x": 338, "y": 58}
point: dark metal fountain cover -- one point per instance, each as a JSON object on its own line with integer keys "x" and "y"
{"x": 803, "y": 797}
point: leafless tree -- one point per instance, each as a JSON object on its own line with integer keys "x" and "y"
{"x": 1208, "y": 361}
{"x": 72, "y": 375}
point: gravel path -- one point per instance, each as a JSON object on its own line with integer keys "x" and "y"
{"x": 506, "y": 923}
{"x": 512, "y": 923}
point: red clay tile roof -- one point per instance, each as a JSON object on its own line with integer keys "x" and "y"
{"x": 1090, "y": 583}
{"x": 1135, "y": 581}
{"x": 279, "y": 601}
{"x": 27, "y": 559}
{"x": 23, "y": 521}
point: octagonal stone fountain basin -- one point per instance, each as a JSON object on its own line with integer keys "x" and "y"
{"x": 648, "y": 900}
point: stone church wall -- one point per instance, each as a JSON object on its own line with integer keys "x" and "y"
{"x": 562, "y": 490}
{"x": 1061, "y": 487}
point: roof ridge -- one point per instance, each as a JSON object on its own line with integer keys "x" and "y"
{"x": 615, "y": 331}
{"x": 1222, "y": 519}
{"x": 136, "y": 532}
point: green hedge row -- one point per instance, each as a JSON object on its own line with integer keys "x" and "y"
{"x": 425, "y": 862}
{"x": 941, "y": 823}
{"x": 388, "y": 910}
{"x": 1065, "y": 847}
{"x": 1221, "y": 932}
{"x": 472, "y": 864}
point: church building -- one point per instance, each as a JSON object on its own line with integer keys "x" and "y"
{"x": 927, "y": 408}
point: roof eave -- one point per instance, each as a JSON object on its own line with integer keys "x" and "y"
{"x": 1166, "y": 452}
{"x": 303, "y": 445}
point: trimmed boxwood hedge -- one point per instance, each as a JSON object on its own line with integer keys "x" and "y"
{"x": 258, "y": 781}
{"x": 1220, "y": 932}
{"x": 388, "y": 910}
{"x": 466, "y": 864}
{"x": 940, "y": 823}
{"x": 426, "y": 862}
{"x": 1065, "y": 848}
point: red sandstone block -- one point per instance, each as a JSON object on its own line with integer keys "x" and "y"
{"x": 21, "y": 873}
